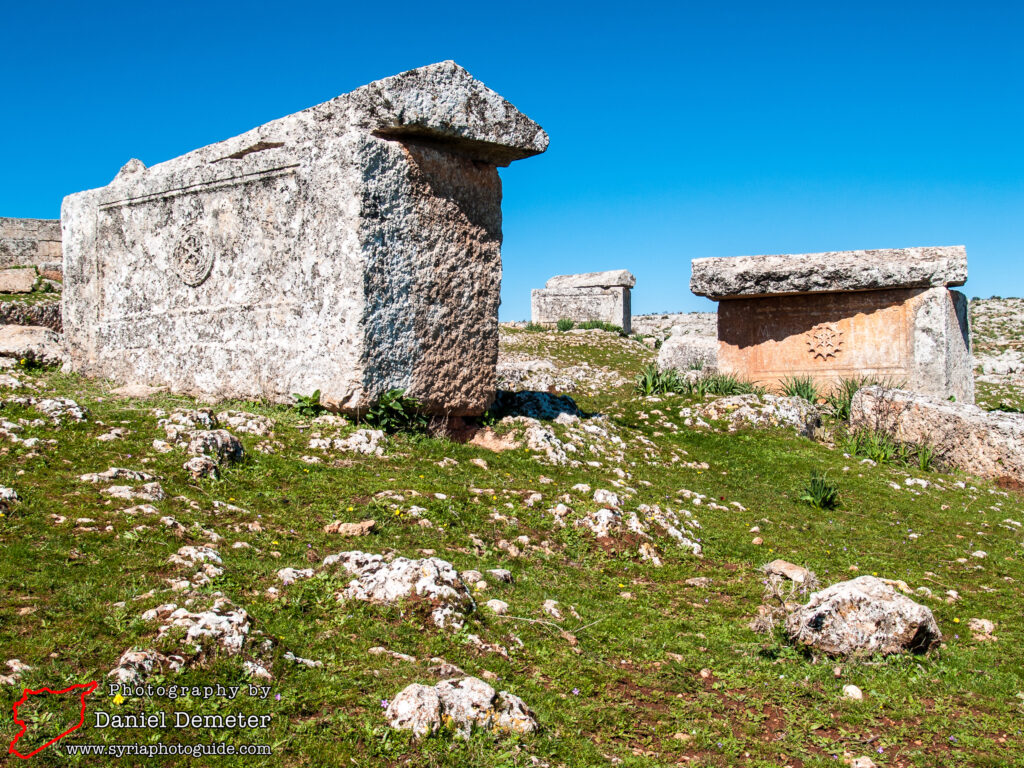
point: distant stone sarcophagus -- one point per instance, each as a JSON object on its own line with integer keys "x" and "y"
{"x": 885, "y": 314}
{"x": 601, "y": 296}
{"x": 353, "y": 247}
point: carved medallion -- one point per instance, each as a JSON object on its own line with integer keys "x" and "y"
{"x": 825, "y": 341}
{"x": 193, "y": 260}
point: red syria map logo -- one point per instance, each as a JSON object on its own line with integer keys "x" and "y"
{"x": 85, "y": 688}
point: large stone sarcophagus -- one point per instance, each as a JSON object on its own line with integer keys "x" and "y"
{"x": 353, "y": 247}
{"x": 882, "y": 314}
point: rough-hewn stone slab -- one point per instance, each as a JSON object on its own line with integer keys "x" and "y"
{"x": 609, "y": 279}
{"x": 353, "y": 247}
{"x": 832, "y": 272}
{"x": 29, "y": 241}
{"x": 985, "y": 443}
{"x": 17, "y": 280}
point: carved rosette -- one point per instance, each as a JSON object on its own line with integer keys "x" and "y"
{"x": 825, "y": 341}
{"x": 193, "y": 260}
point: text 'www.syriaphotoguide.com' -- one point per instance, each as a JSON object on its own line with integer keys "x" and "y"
{"x": 161, "y": 750}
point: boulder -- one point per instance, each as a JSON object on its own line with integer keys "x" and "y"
{"x": 219, "y": 444}
{"x": 760, "y": 412}
{"x": 465, "y": 703}
{"x": 862, "y": 617}
{"x": 686, "y": 353}
{"x": 985, "y": 443}
{"x": 32, "y": 343}
{"x": 17, "y": 280}
{"x": 431, "y": 579}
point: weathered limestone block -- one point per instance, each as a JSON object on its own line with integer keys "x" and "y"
{"x": 985, "y": 443}
{"x": 831, "y": 272}
{"x": 17, "y": 280}
{"x": 685, "y": 353}
{"x": 862, "y": 617}
{"x": 610, "y": 278}
{"x": 29, "y": 241}
{"x": 31, "y": 343}
{"x": 602, "y": 296}
{"x": 353, "y": 247}
{"x": 878, "y": 314}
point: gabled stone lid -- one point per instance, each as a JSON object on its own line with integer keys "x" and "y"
{"x": 445, "y": 103}
{"x": 831, "y": 272}
{"x": 610, "y": 279}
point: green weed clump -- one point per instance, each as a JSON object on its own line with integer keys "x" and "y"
{"x": 534, "y": 327}
{"x": 882, "y": 448}
{"x": 565, "y": 324}
{"x": 841, "y": 395}
{"x": 820, "y": 492}
{"x": 395, "y": 412}
{"x": 601, "y": 325}
{"x": 652, "y": 381}
{"x": 801, "y": 386}
{"x": 727, "y": 384}
{"x": 308, "y": 406}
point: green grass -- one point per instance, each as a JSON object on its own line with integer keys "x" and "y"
{"x": 632, "y": 682}
{"x": 801, "y": 386}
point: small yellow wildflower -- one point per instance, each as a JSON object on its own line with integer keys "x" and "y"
{"x": 274, "y": 541}
{"x": 956, "y": 621}
{"x": 119, "y": 699}
{"x": 350, "y": 509}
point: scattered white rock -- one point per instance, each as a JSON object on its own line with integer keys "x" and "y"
{"x": 380, "y": 581}
{"x": 463, "y": 703}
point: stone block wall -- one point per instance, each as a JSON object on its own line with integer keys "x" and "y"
{"x": 30, "y": 241}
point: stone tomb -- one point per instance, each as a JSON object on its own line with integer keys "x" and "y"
{"x": 887, "y": 314}
{"x": 602, "y": 296}
{"x": 353, "y": 247}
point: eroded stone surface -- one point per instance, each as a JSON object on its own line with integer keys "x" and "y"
{"x": 985, "y": 443}
{"x": 17, "y": 280}
{"x": 831, "y": 272}
{"x": 685, "y": 353}
{"x": 207, "y": 273}
{"x": 465, "y": 703}
{"x": 32, "y": 343}
{"x": 380, "y": 581}
{"x": 29, "y": 241}
{"x": 608, "y": 279}
{"x": 863, "y": 616}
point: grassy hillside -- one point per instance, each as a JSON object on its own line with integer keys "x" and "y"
{"x": 646, "y": 666}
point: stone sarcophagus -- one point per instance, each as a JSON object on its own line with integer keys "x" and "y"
{"x": 602, "y": 296}
{"x": 353, "y": 247}
{"x": 884, "y": 314}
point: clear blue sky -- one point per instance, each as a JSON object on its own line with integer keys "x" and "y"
{"x": 677, "y": 130}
